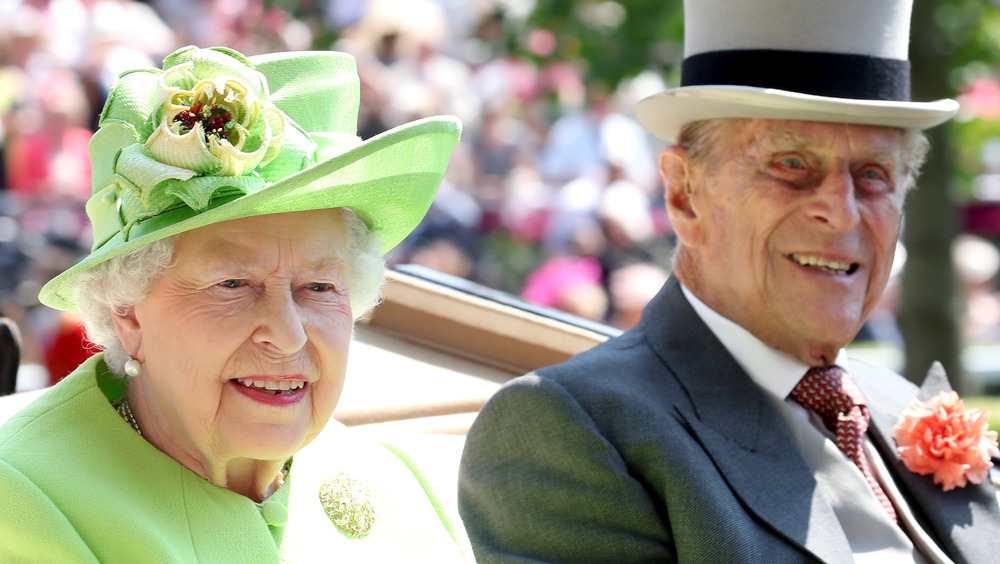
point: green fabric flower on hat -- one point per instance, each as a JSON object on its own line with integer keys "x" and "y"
{"x": 215, "y": 126}
{"x": 201, "y": 127}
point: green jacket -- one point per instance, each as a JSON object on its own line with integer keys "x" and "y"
{"x": 77, "y": 484}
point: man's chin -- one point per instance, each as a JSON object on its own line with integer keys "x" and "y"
{"x": 817, "y": 340}
{"x": 822, "y": 349}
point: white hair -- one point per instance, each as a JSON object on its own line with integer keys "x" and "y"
{"x": 116, "y": 285}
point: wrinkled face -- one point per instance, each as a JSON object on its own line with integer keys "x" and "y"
{"x": 796, "y": 229}
{"x": 244, "y": 341}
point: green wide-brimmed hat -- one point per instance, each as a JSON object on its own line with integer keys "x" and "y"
{"x": 216, "y": 136}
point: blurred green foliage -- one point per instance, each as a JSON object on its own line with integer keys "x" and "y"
{"x": 614, "y": 40}
{"x": 989, "y": 403}
{"x": 968, "y": 31}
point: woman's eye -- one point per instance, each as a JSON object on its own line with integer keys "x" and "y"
{"x": 232, "y": 283}
{"x": 321, "y": 287}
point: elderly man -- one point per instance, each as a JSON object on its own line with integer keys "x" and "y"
{"x": 729, "y": 426}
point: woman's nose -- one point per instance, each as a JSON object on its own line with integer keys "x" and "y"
{"x": 280, "y": 326}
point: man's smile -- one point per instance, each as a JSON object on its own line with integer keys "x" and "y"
{"x": 833, "y": 267}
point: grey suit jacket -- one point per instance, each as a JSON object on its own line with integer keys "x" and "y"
{"x": 657, "y": 447}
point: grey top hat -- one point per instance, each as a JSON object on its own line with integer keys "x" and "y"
{"x": 841, "y": 61}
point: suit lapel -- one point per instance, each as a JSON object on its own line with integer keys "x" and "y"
{"x": 741, "y": 430}
{"x": 964, "y": 521}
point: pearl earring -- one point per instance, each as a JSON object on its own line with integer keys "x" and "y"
{"x": 132, "y": 367}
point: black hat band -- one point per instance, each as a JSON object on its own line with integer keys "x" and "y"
{"x": 836, "y": 75}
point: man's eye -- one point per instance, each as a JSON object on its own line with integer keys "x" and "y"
{"x": 792, "y": 162}
{"x": 871, "y": 174}
{"x": 231, "y": 283}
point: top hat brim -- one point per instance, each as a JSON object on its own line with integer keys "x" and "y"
{"x": 389, "y": 181}
{"x": 665, "y": 113}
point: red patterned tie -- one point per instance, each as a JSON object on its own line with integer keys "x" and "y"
{"x": 830, "y": 392}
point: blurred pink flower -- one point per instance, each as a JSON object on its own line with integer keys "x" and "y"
{"x": 942, "y": 438}
{"x": 981, "y": 98}
{"x": 541, "y": 42}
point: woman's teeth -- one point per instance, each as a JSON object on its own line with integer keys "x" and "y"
{"x": 273, "y": 386}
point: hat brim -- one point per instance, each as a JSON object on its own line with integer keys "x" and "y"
{"x": 389, "y": 181}
{"x": 665, "y": 113}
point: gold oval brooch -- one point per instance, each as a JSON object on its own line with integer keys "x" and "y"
{"x": 348, "y": 505}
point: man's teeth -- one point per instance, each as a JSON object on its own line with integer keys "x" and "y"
{"x": 275, "y": 386}
{"x": 828, "y": 266}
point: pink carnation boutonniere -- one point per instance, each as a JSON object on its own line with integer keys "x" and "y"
{"x": 942, "y": 438}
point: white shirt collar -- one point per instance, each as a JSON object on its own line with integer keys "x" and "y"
{"x": 774, "y": 371}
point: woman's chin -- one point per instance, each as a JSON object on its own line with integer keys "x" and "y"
{"x": 263, "y": 426}
{"x": 262, "y": 431}
{"x": 263, "y": 443}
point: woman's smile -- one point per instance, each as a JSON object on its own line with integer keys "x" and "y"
{"x": 279, "y": 391}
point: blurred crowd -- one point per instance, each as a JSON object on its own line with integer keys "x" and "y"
{"x": 552, "y": 195}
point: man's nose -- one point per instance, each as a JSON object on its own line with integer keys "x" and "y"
{"x": 835, "y": 202}
{"x": 280, "y": 327}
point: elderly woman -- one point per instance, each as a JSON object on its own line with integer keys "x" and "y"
{"x": 239, "y": 227}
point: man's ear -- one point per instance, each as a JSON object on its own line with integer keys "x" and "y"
{"x": 677, "y": 191}
{"x": 129, "y": 331}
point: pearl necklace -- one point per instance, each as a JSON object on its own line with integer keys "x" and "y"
{"x": 126, "y": 412}
{"x": 279, "y": 480}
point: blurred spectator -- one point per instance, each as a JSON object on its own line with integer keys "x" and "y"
{"x": 46, "y": 150}
{"x": 444, "y": 253}
{"x": 553, "y": 175}
{"x": 66, "y": 347}
{"x": 570, "y": 284}
{"x": 583, "y": 141}
{"x": 631, "y": 288}
{"x": 625, "y": 213}
{"x": 10, "y": 355}
{"x": 977, "y": 262}
{"x": 52, "y": 340}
